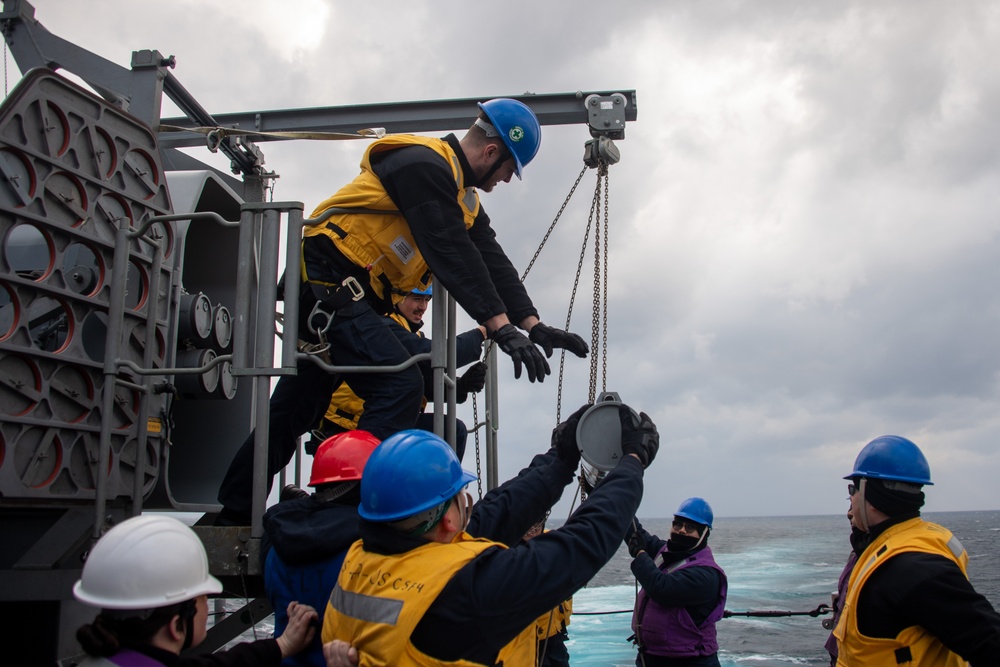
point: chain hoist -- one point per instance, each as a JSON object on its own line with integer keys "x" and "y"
{"x": 597, "y": 156}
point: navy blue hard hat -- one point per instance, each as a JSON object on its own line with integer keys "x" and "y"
{"x": 892, "y": 457}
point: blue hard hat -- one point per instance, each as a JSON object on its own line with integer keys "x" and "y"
{"x": 892, "y": 457}
{"x": 408, "y": 473}
{"x": 518, "y": 126}
{"x": 427, "y": 291}
{"x": 697, "y": 510}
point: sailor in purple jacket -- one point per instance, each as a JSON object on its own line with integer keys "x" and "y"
{"x": 683, "y": 591}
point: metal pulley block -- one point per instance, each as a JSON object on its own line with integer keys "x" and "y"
{"x": 599, "y": 432}
{"x": 601, "y": 149}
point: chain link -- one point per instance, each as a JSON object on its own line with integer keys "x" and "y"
{"x": 479, "y": 462}
{"x": 604, "y": 295}
{"x": 599, "y": 328}
{"x": 548, "y": 232}
{"x": 569, "y": 313}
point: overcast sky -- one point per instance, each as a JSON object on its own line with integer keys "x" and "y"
{"x": 804, "y": 221}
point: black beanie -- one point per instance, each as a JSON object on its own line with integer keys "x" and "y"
{"x": 893, "y": 502}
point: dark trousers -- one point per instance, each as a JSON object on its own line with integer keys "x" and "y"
{"x": 556, "y": 653}
{"x": 358, "y": 337}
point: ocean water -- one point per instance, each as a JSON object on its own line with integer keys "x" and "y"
{"x": 773, "y": 563}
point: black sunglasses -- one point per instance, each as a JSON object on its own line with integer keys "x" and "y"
{"x": 852, "y": 489}
{"x": 689, "y": 526}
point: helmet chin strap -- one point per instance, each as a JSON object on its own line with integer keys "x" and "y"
{"x": 701, "y": 538}
{"x": 863, "y": 508}
{"x": 188, "y": 611}
{"x": 502, "y": 156}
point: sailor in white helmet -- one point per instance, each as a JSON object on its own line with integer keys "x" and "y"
{"x": 149, "y": 576}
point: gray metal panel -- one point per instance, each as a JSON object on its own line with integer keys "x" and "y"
{"x": 207, "y": 431}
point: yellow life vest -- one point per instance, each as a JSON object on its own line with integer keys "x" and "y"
{"x": 380, "y": 599}
{"x": 924, "y": 648}
{"x": 554, "y": 621}
{"x": 377, "y": 236}
{"x": 346, "y": 406}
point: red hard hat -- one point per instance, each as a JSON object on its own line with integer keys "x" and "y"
{"x": 342, "y": 457}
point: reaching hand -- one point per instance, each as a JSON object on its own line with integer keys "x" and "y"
{"x": 471, "y": 382}
{"x": 522, "y": 351}
{"x": 564, "y": 438}
{"x": 300, "y": 629}
{"x": 636, "y": 543}
{"x": 639, "y": 436}
{"x": 547, "y": 338}
{"x": 339, "y": 653}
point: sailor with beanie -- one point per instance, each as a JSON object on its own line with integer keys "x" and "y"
{"x": 909, "y": 600}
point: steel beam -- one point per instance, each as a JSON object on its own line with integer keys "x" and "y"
{"x": 395, "y": 117}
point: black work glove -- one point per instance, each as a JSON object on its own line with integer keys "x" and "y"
{"x": 472, "y": 381}
{"x": 564, "y": 438}
{"x": 636, "y": 543}
{"x": 522, "y": 351}
{"x": 639, "y": 436}
{"x": 547, "y": 338}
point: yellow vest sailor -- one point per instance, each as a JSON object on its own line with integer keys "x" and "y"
{"x": 908, "y": 600}
{"x": 420, "y": 589}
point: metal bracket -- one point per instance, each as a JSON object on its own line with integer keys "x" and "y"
{"x": 606, "y": 115}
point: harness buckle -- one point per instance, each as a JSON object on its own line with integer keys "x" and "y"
{"x": 352, "y": 284}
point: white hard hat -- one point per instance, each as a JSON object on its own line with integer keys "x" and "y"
{"x": 145, "y": 562}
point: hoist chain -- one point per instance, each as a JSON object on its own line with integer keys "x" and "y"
{"x": 569, "y": 312}
{"x": 599, "y": 331}
{"x": 604, "y": 295}
{"x": 479, "y": 462}
{"x": 548, "y": 232}
{"x": 545, "y": 239}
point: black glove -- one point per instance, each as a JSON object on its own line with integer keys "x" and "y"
{"x": 522, "y": 351}
{"x": 564, "y": 438}
{"x": 547, "y": 338}
{"x": 636, "y": 543}
{"x": 472, "y": 381}
{"x": 639, "y": 436}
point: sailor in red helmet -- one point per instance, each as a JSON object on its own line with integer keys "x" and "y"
{"x": 306, "y": 538}
{"x": 414, "y": 212}
{"x": 909, "y": 600}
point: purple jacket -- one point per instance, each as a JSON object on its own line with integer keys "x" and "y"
{"x": 670, "y": 631}
{"x": 838, "y": 605}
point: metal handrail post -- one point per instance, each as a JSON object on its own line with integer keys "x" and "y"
{"x": 112, "y": 346}
{"x": 451, "y": 416}
{"x": 245, "y": 278}
{"x": 152, "y": 307}
{"x": 293, "y": 285}
{"x": 492, "y": 419}
{"x": 439, "y": 357}
{"x": 267, "y": 291}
